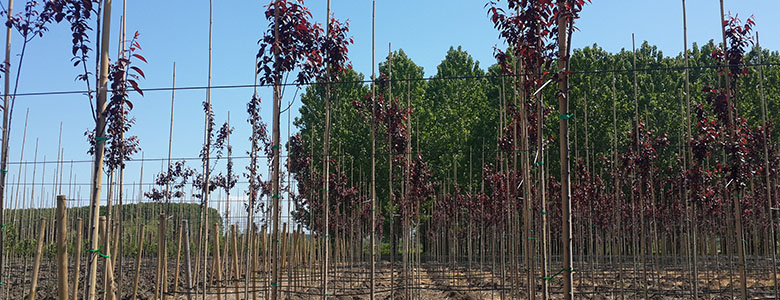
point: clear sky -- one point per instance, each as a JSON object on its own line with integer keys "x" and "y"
{"x": 177, "y": 31}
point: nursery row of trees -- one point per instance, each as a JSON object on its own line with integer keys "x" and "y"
{"x": 451, "y": 116}
{"x": 547, "y": 152}
{"x": 665, "y": 149}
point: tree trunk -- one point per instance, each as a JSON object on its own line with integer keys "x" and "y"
{"x": 563, "y": 94}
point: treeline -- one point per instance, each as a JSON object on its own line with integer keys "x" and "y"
{"x": 455, "y": 115}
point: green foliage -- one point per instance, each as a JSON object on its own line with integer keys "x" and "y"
{"x": 459, "y": 110}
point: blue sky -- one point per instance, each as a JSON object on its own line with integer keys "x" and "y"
{"x": 177, "y": 31}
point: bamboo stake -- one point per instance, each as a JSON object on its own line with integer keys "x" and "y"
{"x": 110, "y": 285}
{"x": 159, "y": 288}
{"x": 325, "y": 173}
{"x": 138, "y": 261}
{"x": 62, "y": 249}
{"x": 767, "y": 176}
{"x": 204, "y": 236}
{"x": 689, "y": 152}
{"x": 217, "y": 262}
{"x": 77, "y": 269}
{"x": 275, "y": 167}
{"x": 642, "y": 237}
{"x": 37, "y": 265}
{"x": 119, "y": 244}
{"x": 19, "y": 174}
{"x": 405, "y": 221}
{"x": 6, "y": 132}
{"x": 542, "y": 192}
{"x": 97, "y": 167}
{"x": 167, "y": 185}
{"x": 185, "y": 223}
{"x": 372, "y": 279}
{"x": 178, "y": 262}
{"x": 235, "y": 255}
{"x": 252, "y": 248}
{"x": 390, "y": 194}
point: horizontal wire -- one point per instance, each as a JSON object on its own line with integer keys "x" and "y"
{"x": 430, "y": 78}
{"x": 65, "y": 162}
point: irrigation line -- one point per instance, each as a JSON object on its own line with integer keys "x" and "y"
{"x": 430, "y": 78}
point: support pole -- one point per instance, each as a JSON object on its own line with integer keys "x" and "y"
{"x": 138, "y": 261}
{"x": 37, "y": 265}
{"x": 79, "y": 229}
{"x": 97, "y": 166}
{"x": 62, "y": 249}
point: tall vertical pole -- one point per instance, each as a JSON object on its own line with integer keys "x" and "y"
{"x": 6, "y": 133}
{"x": 373, "y": 151}
{"x": 77, "y": 271}
{"x": 100, "y": 139}
{"x": 769, "y": 198}
{"x": 170, "y": 136}
{"x": 326, "y": 172}
{"x": 563, "y": 102}
{"x": 37, "y": 263}
{"x": 689, "y": 151}
{"x": 275, "y": 167}
{"x": 204, "y": 230}
{"x": 62, "y": 249}
{"x": 186, "y": 225}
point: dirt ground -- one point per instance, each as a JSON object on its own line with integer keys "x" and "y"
{"x": 431, "y": 281}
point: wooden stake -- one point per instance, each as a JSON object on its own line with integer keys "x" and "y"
{"x": 690, "y": 152}
{"x": 77, "y": 269}
{"x": 178, "y": 262}
{"x": 159, "y": 288}
{"x": 275, "y": 191}
{"x": 138, "y": 261}
{"x": 186, "y": 225}
{"x": 100, "y": 125}
{"x": 372, "y": 279}
{"x": 767, "y": 175}
{"x": 217, "y": 265}
{"x": 326, "y": 174}
{"x": 109, "y": 285}
{"x": 235, "y": 255}
{"x": 62, "y": 249}
{"x": 6, "y": 133}
{"x": 37, "y": 265}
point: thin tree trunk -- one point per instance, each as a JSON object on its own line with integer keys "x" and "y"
{"x": 563, "y": 94}
{"x": 737, "y": 194}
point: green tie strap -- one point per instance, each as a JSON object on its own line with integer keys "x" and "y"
{"x": 566, "y": 116}
{"x": 97, "y": 251}
{"x": 556, "y": 274}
